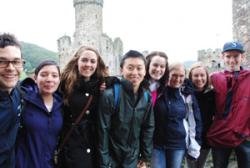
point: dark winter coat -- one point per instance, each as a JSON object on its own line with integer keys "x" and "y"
{"x": 39, "y": 132}
{"x": 10, "y": 107}
{"x": 171, "y": 112}
{"x": 125, "y": 131}
{"x": 206, "y": 101}
{"x": 80, "y": 149}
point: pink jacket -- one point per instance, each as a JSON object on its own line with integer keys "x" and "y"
{"x": 231, "y": 130}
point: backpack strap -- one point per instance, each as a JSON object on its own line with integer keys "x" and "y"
{"x": 146, "y": 96}
{"x": 22, "y": 94}
{"x": 22, "y": 105}
{"x": 116, "y": 94}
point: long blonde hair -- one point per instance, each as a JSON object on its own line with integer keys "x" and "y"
{"x": 71, "y": 74}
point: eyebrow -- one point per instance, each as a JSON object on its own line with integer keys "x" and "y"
{"x": 3, "y": 58}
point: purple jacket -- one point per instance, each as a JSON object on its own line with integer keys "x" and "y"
{"x": 39, "y": 132}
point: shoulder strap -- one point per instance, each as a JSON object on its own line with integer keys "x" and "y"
{"x": 146, "y": 96}
{"x": 77, "y": 121}
{"x": 22, "y": 104}
{"x": 116, "y": 94}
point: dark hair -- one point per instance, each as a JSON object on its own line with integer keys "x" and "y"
{"x": 46, "y": 63}
{"x": 149, "y": 58}
{"x": 132, "y": 54}
{"x": 8, "y": 40}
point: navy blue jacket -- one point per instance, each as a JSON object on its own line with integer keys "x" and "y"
{"x": 170, "y": 113}
{"x": 39, "y": 132}
{"x": 9, "y": 121}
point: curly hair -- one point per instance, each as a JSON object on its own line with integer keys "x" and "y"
{"x": 71, "y": 74}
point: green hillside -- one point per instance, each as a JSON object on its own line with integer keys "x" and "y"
{"x": 34, "y": 54}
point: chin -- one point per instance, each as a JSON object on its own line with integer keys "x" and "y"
{"x": 11, "y": 84}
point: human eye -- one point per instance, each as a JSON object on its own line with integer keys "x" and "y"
{"x": 43, "y": 74}
{"x": 93, "y": 61}
{"x": 155, "y": 65}
{"x": 3, "y": 62}
{"x": 140, "y": 68}
{"x": 84, "y": 60}
{"x": 17, "y": 62}
{"x": 236, "y": 56}
{"x": 130, "y": 68}
{"x": 55, "y": 75}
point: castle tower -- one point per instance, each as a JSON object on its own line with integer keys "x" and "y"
{"x": 88, "y": 23}
{"x": 241, "y": 24}
{"x": 89, "y": 32}
{"x": 64, "y": 49}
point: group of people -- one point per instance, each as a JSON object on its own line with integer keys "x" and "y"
{"x": 150, "y": 116}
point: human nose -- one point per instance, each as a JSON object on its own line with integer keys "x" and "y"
{"x": 134, "y": 71}
{"x": 88, "y": 63}
{"x": 49, "y": 78}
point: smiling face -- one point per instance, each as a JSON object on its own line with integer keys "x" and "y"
{"x": 199, "y": 78}
{"x": 157, "y": 67}
{"x": 232, "y": 60}
{"x": 87, "y": 64}
{"x": 134, "y": 71}
{"x": 9, "y": 75}
{"x": 176, "y": 76}
{"x": 48, "y": 79}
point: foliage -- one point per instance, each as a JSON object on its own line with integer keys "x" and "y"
{"x": 34, "y": 54}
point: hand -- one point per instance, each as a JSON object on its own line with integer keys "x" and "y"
{"x": 191, "y": 158}
{"x": 141, "y": 164}
{"x": 103, "y": 86}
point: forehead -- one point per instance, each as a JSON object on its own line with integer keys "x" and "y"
{"x": 198, "y": 70}
{"x": 49, "y": 68}
{"x": 232, "y": 53}
{"x": 88, "y": 54}
{"x": 158, "y": 59}
{"x": 134, "y": 62}
{"x": 10, "y": 52}
{"x": 178, "y": 70}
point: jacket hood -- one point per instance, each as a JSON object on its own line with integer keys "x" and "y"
{"x": 32, "y": 94}
{"x": 29, "y": 85}
{"x": 187, "y": 87}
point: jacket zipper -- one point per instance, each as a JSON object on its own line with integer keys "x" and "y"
{"x": 131, "y": 128}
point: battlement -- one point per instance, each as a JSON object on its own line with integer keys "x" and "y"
{"x": 88, "y": 2}
{"x": 211, "y": 58}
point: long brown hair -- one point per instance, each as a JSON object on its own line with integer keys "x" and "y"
{"x": 71, "y": 74}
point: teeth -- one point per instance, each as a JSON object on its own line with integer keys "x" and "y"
{"x": 9, "y": 76}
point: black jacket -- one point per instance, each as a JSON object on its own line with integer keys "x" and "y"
{"x": 206, "y": 101}
{"x": 80, "y": 149}
{"x": 125, "y": 132}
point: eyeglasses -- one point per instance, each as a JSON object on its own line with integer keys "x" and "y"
{"x": 16, "y": 63}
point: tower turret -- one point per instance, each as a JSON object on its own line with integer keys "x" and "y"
{"x": 241, "y": 24}
{"x": 88, "y": 23}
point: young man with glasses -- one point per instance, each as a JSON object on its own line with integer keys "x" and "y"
{"x": 11, "y": 66}
{"x": 230, "y": 130}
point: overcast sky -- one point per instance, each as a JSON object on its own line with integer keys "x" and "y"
{"x": 177, "y": 27}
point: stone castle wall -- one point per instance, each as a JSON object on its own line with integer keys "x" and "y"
{"x": 241, "y": 24}
{"x": 89, "y": 32}
{"x": 211, "y": 59}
